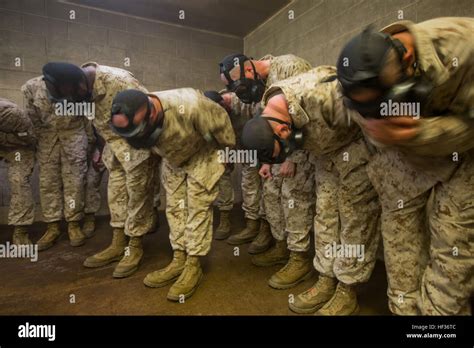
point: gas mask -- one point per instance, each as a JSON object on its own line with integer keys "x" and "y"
{"x": 138, "y": 136}
{"x": 412, "y": 90}
{"x": 55, "y": 96}
{"x": 248, "y": 90}
{"x": 360, "y": 65}
{"x": 287, "y": 146}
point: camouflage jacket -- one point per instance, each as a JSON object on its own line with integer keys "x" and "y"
{"x": 194, "y": 128}
{"x": 445, "y": 55}
{"x": 316, "y": 107}
{"x": 241, "y": 113}
{"x": 48, "y": 125}
{"x": 16, "y": 129}
{"x": 281, "y": 68}
{"x": 108, "y": 82}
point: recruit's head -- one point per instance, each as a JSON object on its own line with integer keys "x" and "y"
{"x": 271, "y": 134}
{"x": 375, "y": 67}
{"x": 136, "y": 117}
{"x": 240, "y": 76}
{"x": 65, "y": 81}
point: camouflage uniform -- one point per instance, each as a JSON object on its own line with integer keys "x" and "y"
{"x": 251, "y": 181}
{"x": 347, "y": 208}
{"x": 17, "y": 148}
{"x": 131, "y": 171}
{"x": 61, "y": 153}
{"x": 427, "y": 165}
{"x": 93, "y": 177}
{"x": 190, "y": 168}
{"x": 291, "y": 218}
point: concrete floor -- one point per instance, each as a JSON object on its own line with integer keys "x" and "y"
{"x": 231, "y": 286}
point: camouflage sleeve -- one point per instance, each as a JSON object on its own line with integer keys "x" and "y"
{"x": 14, "y": 140}
{"x": 215, "y": 121}
{"x": 442, "y": 136}
{"x": 91, "y": 138}
{"x": 30, "y": 110}
{"x": 13, "y": 119}
{"x": 296, "y": 67}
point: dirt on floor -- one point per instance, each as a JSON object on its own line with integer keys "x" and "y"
{"x": 58, "y": 284}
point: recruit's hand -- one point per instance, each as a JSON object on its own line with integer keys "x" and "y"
{"x": 391, "y": 131}
{"x": 287, "y": 169}
{"x": 97, "y": 163}
{"x": 265, "y": 171}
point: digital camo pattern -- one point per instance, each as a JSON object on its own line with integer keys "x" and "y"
{"x": 17, "y": 149}
{"x": 426, "y": 166}
{"x": 194, "y": 129}
{"x": 61, "y": 154}
{"x": 188, "y": 210}
{"x": 288, "y": 191}
{"x": 129, "y": 196}
{"x": 251, "y": 182}
{"x": 347, "y": 207}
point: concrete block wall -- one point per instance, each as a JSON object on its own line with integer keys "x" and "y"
{"x": 317, "y": 29}
{"x": 162, "y": 56}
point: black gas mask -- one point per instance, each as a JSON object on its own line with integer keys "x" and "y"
{"x": 248, "y": 90}
{"x": 143, "y": 135}
{"x": 55, "y": 96}
{"x": 413, "y": 90}
{"x": 360, "y": 65}
{"x": 258, "y": 135}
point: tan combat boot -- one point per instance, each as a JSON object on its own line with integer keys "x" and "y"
{"x": 76, "y": 237}
{"x": 114, "y": 252}
{"x": 264, "y": 239}
{"x": 276, "y": 255}
{"x": 223, "y": 230}
{"x": 298, "y": 269}
{"x": 188, "y": 281}
{"x": 50, "y": 237}
{"x": 131, "y": 260}
{"x": 343, "y": 302}
{"x": 168, "y": 274}
{"x": 89, "y": 225}
{"x": 20, "y": 236}
{"x": 246, "y": 235}
{"x": 315, "y": 297}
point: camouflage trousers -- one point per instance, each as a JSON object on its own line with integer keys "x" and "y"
{"x": 439, "y": 282}
{"x": 225, "y": 198}
{"x": 93, "y": 180}
{"x": 289, "y": 202}
{"x": 157, "y": 183}
{"x": 62, "y": 178}
{"x": 20, "y": 162}
{"x": 252, "y": 198}
{"x": 188, "y": 210}
{"x": 346, "y": 224}
{"x": 129, "y": 196}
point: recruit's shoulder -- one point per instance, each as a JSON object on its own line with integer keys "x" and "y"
{"x": 33, "y": 84}
{"x": 185, "y": 95}
{"x": 306, "y": 82}
{"x": 105, "y": 73}
{"x": 7, "y": 104}
{"x": 291, "y": 59}
{"x": 11, "y": 115}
